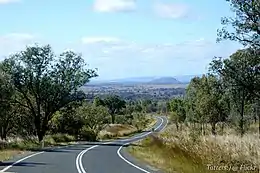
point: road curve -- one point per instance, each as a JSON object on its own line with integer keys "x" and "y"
{"x": 109, "y": 158}
{"x": 88, "y": 157}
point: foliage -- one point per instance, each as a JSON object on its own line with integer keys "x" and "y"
{"x": 95, "y": 117}
{"x": 244, "y": 25}
{"x": 44, "y": 84}
{"x": 7, "y": 110}
{"x": 114, "y": 104}
{"x": 139, "y": 120}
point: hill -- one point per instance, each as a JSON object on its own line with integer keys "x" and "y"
{"x": 164, "y": 80}
{"x": 183, "y": 79}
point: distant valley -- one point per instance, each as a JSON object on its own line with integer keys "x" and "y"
{"x": 155, "y": 88}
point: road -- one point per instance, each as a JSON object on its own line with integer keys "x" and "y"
{"x": 108, "y": 157}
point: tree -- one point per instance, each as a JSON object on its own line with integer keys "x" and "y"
{"x": 139, "y": 120}
{"x": 241, "y": 77}
{"x": 46, "y": 83}
{"x": 206, "y": 101}
{"x": 98, "y": 101}
{"x": 246, "y": 30}
{"x": 114, "y": 105}
{"x": 95, "y": 117}
{"x": 7, "y": 113}
{"x": 146, "y": 103}
{"x": 67, "y": 120}
{"x": 245, "y": 24}
{"x": 178, "y": 112}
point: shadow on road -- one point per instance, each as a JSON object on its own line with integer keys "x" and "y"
{"x": 97, "y": 143}
{"x": 118, "y": 144}
{"x": 29, "y": 164}
{"x": 82, "y": 147}
{"x": 57, "y": 150}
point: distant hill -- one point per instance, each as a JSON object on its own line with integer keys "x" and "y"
{"x": 164, "y": 80}
{"x": 182, "y": 79}
{"x": 186, "y": 78}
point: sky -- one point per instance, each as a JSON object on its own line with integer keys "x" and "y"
{"x": 121, "y": 38}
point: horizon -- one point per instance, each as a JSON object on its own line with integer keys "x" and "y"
{"x": 121, "y": 38}
{"x": 97, "y": 79}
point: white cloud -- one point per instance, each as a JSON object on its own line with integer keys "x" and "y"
{"x": 13, "y": 42}
{"x": 114, "y": 5}
{"x": 172, "y": 10}
{"x": 116, "y": 59}
{"x": 8, "y": 1}
{"x": 88, "y": 40}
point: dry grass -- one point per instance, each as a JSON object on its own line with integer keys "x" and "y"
{"x": 123, "y": 130}
{"x": 187, "y": 152}
{"x": 17, "y": 146}
{"x": 112, "y": 131}
{"x": 117, "y": 130}
{"x": 9, "y": 154}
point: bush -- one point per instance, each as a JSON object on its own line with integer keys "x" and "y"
{"x": 88, "y": 135}
{"x": 63, "y": 137}
{"x": 108, "y": 136}
{"x": 124, "y": 119}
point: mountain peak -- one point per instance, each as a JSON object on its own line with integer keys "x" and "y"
{"x": 164, "y": 80}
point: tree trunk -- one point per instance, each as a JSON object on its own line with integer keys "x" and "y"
{"x": 113, "y": 118}
{"x": 177, "y": 126}
{"x": 222, "y": 128}
{"x": 201, "y": 128}
{"x": 40, "y": 136}
{"x": 241, "y": 123}
{"x": 213, "y": 128}
{"x": 259, "y": 124}
{"x": 3, "y": 134}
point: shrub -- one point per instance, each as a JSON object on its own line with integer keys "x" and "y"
{"x": 63, "y": 137}
{"x": 88, "y": 135}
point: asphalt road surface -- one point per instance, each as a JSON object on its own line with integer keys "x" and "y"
{"x": 107, "y": 157}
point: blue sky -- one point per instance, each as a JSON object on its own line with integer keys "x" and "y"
{"x": 122, "y": 38}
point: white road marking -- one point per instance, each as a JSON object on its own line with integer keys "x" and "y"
{"x": 79, "y": 164}
{"x": 32, "y": 155}
{"x": 127, "y": 161}
{"x": 10, "y": 166}
{"x": 165, "y": 125}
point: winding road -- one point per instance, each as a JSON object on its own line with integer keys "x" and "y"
{"x": 89, "y": 157}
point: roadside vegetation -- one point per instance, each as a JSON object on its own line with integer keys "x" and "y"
{"x": 217, "y": 122}
{"x": 41, "y": 104}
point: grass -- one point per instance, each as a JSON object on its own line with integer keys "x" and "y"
{"x": 17, "y": 146}
{"x": 116, "y": 130}
{"x": 8, "y": 154}
{"x": 187, "y": 152}
{"x": 123, "y": 130}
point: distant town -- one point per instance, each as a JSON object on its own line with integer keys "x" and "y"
{"x": 152, "y": 88}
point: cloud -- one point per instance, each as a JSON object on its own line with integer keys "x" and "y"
{"x": 13, "y": 42}
{"x": 116, "y": 58}
{"x": 87, "y": 40}
{"x": 172, "y": 10}
{"x": 8, "y": 1}
{"x": 114, "y": 5}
